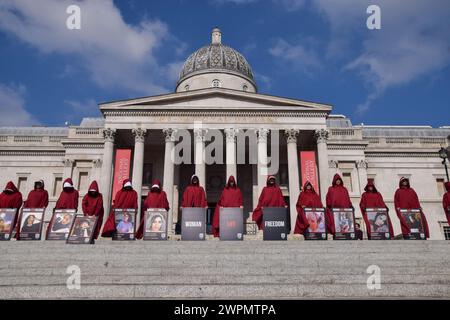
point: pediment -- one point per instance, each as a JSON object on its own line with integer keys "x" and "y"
{"x": 215, "y": 99}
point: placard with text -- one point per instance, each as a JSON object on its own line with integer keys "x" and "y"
{"x": 231, "y": 224}
{"x": 413, "y": 218}
{"x": 193, "y": 224}
{"x": 378, "y": 223}
{"x": 31, "y": 223}
{"x": 125, "y": 222}
{"x": 7, "y": 219}
{"x": 275, "y": 223}
{"x": 60, "y": 224}
{"x": 155, "y": 224}
{"x": 83, "y": 229}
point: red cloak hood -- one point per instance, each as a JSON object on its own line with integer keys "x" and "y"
{"x": 401, "y": 180}
{"x": 307, "y": 183}
{"x": 68, "y": 199}
{"x": 191, "y": 181}
{"x": 267, "y": 181}
{"x": 336, "y": 178}
{"x": 37, "y": 198}
{"x": 11, "y": 187}
{"x": 447, "y": 186}
{"x": 158, "y": 183}
{"x": 370, "y": 184}
{"x": 11, "y": 197}
{"x": 126, "y": 181}
{"x": 231, "y": 179}
{"x": 94, "y": 186}
{"x": 194, "y": 195}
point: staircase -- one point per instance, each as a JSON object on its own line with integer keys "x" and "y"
{"x": 215, "y": 269}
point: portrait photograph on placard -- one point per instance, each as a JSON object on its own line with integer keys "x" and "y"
{"x": 31, "y": 224}
{"x": 378, "y": 220}
{"x": 414, "y": 220}
{"x": 60, "y": 224}
{"x": 155, "y": 227}
{"x": 316, "y": 220}
{"x": 125, "y": 224}
{"x": 82, "y": 229}
{"x": 343, "y": 221}
{"x": 7, "y": 218}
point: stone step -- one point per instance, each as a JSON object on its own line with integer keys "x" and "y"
{"x": 130, "y": 279}
{"x": 219, "y": 291}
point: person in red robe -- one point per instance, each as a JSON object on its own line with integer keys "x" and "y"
{"x": 194, "y": 196}
{"x": 92, "y": 205}
{"x": 126, "y": 198}
{"x": 337, "y": 197}
{"x": 371, "y": 198}
{"x": 406, "y": 198}
{"x": 11, "y": 198}
{"x": 308, "y": 198}
{"x": 231, "y": 197}
{"x": 37, "y": 198}
{"x": 156, "y": 198}
{"x": 68, "y": 199}
{"x": 271, "y": 196}
{"x": 446, "y": 201}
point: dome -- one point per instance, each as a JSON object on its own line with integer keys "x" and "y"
{"x": 216, "y": 58}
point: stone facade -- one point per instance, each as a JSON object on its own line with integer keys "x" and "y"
{"x": 150, "y": 127}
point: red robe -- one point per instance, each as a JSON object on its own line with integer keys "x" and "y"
{"x": 373, "y": 199}
{"x": 125, "y": 199}
{"x": 231, "y": 197}
{"x": 194, "y": 196}
{"x": 93, "y": 206}
{"x": 306, "y": 199}
{"x": 446, "y": 201}
{"x": 271, "y": 196}
{"x": 37, "y": 198}
{"x": 68, "y": 199}
{"x": 11, "y": 198}
{"x": 406, "y": 198}
{"x": 155, "y": 199}
{"x": 337, "y": 197}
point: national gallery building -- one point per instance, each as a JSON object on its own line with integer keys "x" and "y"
{"x": 216, "y": 92}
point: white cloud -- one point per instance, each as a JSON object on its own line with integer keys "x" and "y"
{"x": 302, "y": 57}
{"x": 116, "y": 54}
{"x": 412, "y": 42}
{"x": 85, "y": 108}
{"x": 12, "y": 107}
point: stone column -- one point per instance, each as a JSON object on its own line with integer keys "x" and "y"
{"x": 68, "y": 168}
{"x": 362, "y": 174}
{"x": 138, "y": 164}
{"x": 322, "y": 153}
{"x": 231, "y": 152}
{"x": 169, "y": 168}
{"x": 200, "y": 167}
{"x": 294, "y": 183}
{"x": 262, "y": 158}
{"x": 107, "y": 168}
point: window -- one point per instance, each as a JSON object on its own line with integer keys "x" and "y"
{"x": 347, "y": 179}
{"x": 440, "y": 186}
{"x": 57, "y": 186}
{"x": 22, "y": 185}
{"x": 147, "y": 174}
{"x": 216, "y": 83}
{"x": 244, "y": 87}
{"x": 446, "y": 232}
{"x": 83, "y": 182}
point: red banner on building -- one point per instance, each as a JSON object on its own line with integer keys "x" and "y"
{"x": 121, "y": 169}
{"x": 309, "y": 168}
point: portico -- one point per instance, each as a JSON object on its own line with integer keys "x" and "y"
{"x": 156, "y": 127}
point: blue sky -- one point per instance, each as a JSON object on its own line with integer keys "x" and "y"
{"x": 315, "y": 50}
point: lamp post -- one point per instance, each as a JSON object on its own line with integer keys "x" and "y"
{"x": 443, "y": 154}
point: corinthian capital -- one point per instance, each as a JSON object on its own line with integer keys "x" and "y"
{"x": 170, "y": 134}
{"x": 262, "y": 134}
{"x": 109, "y": 134}
{"x": 291, "y": 135}
{"x": 362, "y": 164}
{"x": 139, "y": 134}
{"x": 230, "y": 134}
{"x": 68, "y": 163}
{"x": 200, "y": 134}
{"x": 321, "y": 135}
